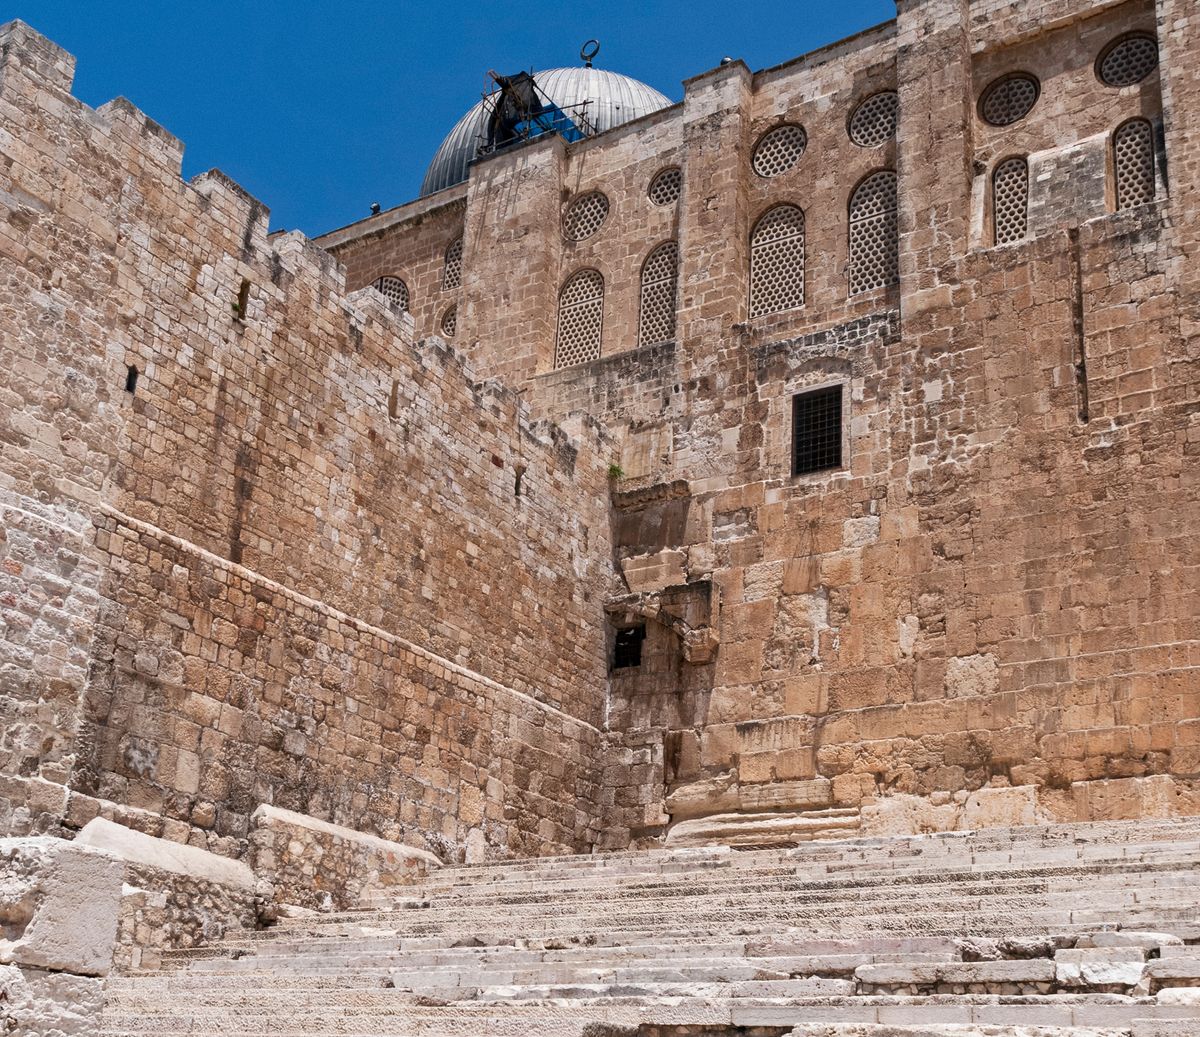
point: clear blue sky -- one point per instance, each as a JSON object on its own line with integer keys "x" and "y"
{"x": 319, "y": 109}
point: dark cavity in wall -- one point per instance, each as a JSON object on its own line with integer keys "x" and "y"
{"x": 244, "y": 467}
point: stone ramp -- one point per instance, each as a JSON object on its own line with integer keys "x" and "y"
{"x": 1064, "y": 931}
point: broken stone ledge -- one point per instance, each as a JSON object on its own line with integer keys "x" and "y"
{"x": 323, "y": 866}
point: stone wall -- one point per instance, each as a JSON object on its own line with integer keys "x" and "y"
{"x": 997, "y": 588}
{"x": 258, "y": 546}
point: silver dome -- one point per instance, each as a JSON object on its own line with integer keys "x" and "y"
{"x": 613, "y": 99}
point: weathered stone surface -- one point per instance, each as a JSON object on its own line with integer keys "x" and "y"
{"x": 315, "y": 864}
{"x": 59, "y": 903}
{"x": 163, "y": 855}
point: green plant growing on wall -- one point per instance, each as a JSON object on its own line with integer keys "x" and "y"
{"x": 616, "y": 472}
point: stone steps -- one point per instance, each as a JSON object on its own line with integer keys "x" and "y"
{"x": 943, "y": 937}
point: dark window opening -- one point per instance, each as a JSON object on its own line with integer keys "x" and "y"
{"x": 627, "y": 647}
{"x": 243, "y": 301}
{"x": 131, "y": 377}
{"x": 517, "y": 483}
{"x": 394, "y": 399}
{"x": 817, "y": 430}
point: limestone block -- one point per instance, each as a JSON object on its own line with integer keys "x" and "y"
{"x": 971, "y": 676}
{"x": 903, "y": 814}
{"x": 59, "y": 903}
{"x": 707, "y": 796}
{"x": 645, "y": 574}
{"x": 1001, "y": 808}
{"x": 34, "y": 1003}
{"x": 147, "y": 851}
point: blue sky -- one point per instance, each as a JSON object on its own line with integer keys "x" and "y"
{"x": 319, "y": 109}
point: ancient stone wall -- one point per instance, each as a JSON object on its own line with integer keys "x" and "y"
{"x": 259, "y": 547}
{"x": 996, "y": 587}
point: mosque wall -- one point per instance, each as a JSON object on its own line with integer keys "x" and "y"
{"x": 996, "y": 587}
{"x": 257, "y": 546}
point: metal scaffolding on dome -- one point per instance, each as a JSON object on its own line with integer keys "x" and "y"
{"x": 518, "y": 111}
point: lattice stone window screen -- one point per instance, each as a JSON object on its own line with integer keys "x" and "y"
{"x": 1009, "y": 99}
{"x": 585, "y": 215}
{"x": 1010, "y": 200}
{"x": 1133, "y": 163}
{"x": 777, "y": 261}
{"x": 666, "y": 186}
{"x": 660, "y": 278}
{"x": 580, "y": 319}
{"x": 452, "y": 270}
{"x": 394, "y": 289}
{"x": 779, "y": 149}
{"x": 1127, "y": 61}
{"x": 874, "y": 248}
{"x": 874, "y": 120}
{"x": 450, "y": 321}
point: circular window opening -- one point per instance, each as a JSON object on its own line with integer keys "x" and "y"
{"x": 779, "y": 149}
{"x": 1127, "y": 60}
{"x": 450, "y": 321}
{"x": 585, "y": 215}
{"x": 874, "y": 120}
{"x": 1009, "y": 99}
{"x": 666, "y": 186}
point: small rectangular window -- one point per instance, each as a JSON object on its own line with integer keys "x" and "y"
{"x": 627, "y": 647}
{"x": 817, "y": 430}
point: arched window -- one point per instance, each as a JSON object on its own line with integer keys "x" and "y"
{"x": 452, "y": 269}
{"x": 777, "y": 261}
{"x": 580, "y": 319}
{"x": 874, "y": 248}
{"x": 393, "y": 289}
{"x": 660, "y": 276}
{"x": 450, "y": 321}
{"x": 1133, "y": 163}
{"x": 1010, "y": 200}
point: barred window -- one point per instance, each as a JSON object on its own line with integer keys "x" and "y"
{"x": 580, "y": 319}
{"x": 585, "y": 215}
{"x": 393, "y": 289}
{"x": 779, "y": 149}
{"x": 1133, "y": 163}
{"x": 1127, "y": 60}
{"x": 1009, "y": 99}
{"x": 450, "y": 321}
{"x": 660, "y": 279}
{"x": 452, "y": 269}
{"x": 874, "y": 248}
{"x": 874, "y": 120}
{"x": 777, "y": 261}
{"x": 817, "y": 430}
{"x": 1010, "y": 200}
{"x": 666, "y": 186}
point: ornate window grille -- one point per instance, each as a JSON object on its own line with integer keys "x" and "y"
{"x": 1127, "y": 60}
{"x": 874, "y": 120}
{"x": 1133, "y": 163}
{"x": 452, "y": 268}
{"x": 394, "y": 290}
{"x": 874, "y": 247}
{"x": 1009, "y": 99}
{"x": 666, "y": 186}
{"x": 660, "y": 279}
{"x": 779, "y": 149}
{"x": 580, "y": 319}
{"x": 585, "y": 215}
{"x": 450, "y": 321}
{"x": 1010, "y": 200}
{"x": 777, "y": 261}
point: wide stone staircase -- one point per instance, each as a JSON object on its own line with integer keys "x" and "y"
{"x": 1063, "y": 931}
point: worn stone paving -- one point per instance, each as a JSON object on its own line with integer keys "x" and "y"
{"x": 1076, "y": 930}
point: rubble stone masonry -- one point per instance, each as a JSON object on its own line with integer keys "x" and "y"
{"x": 267, "y": 539}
